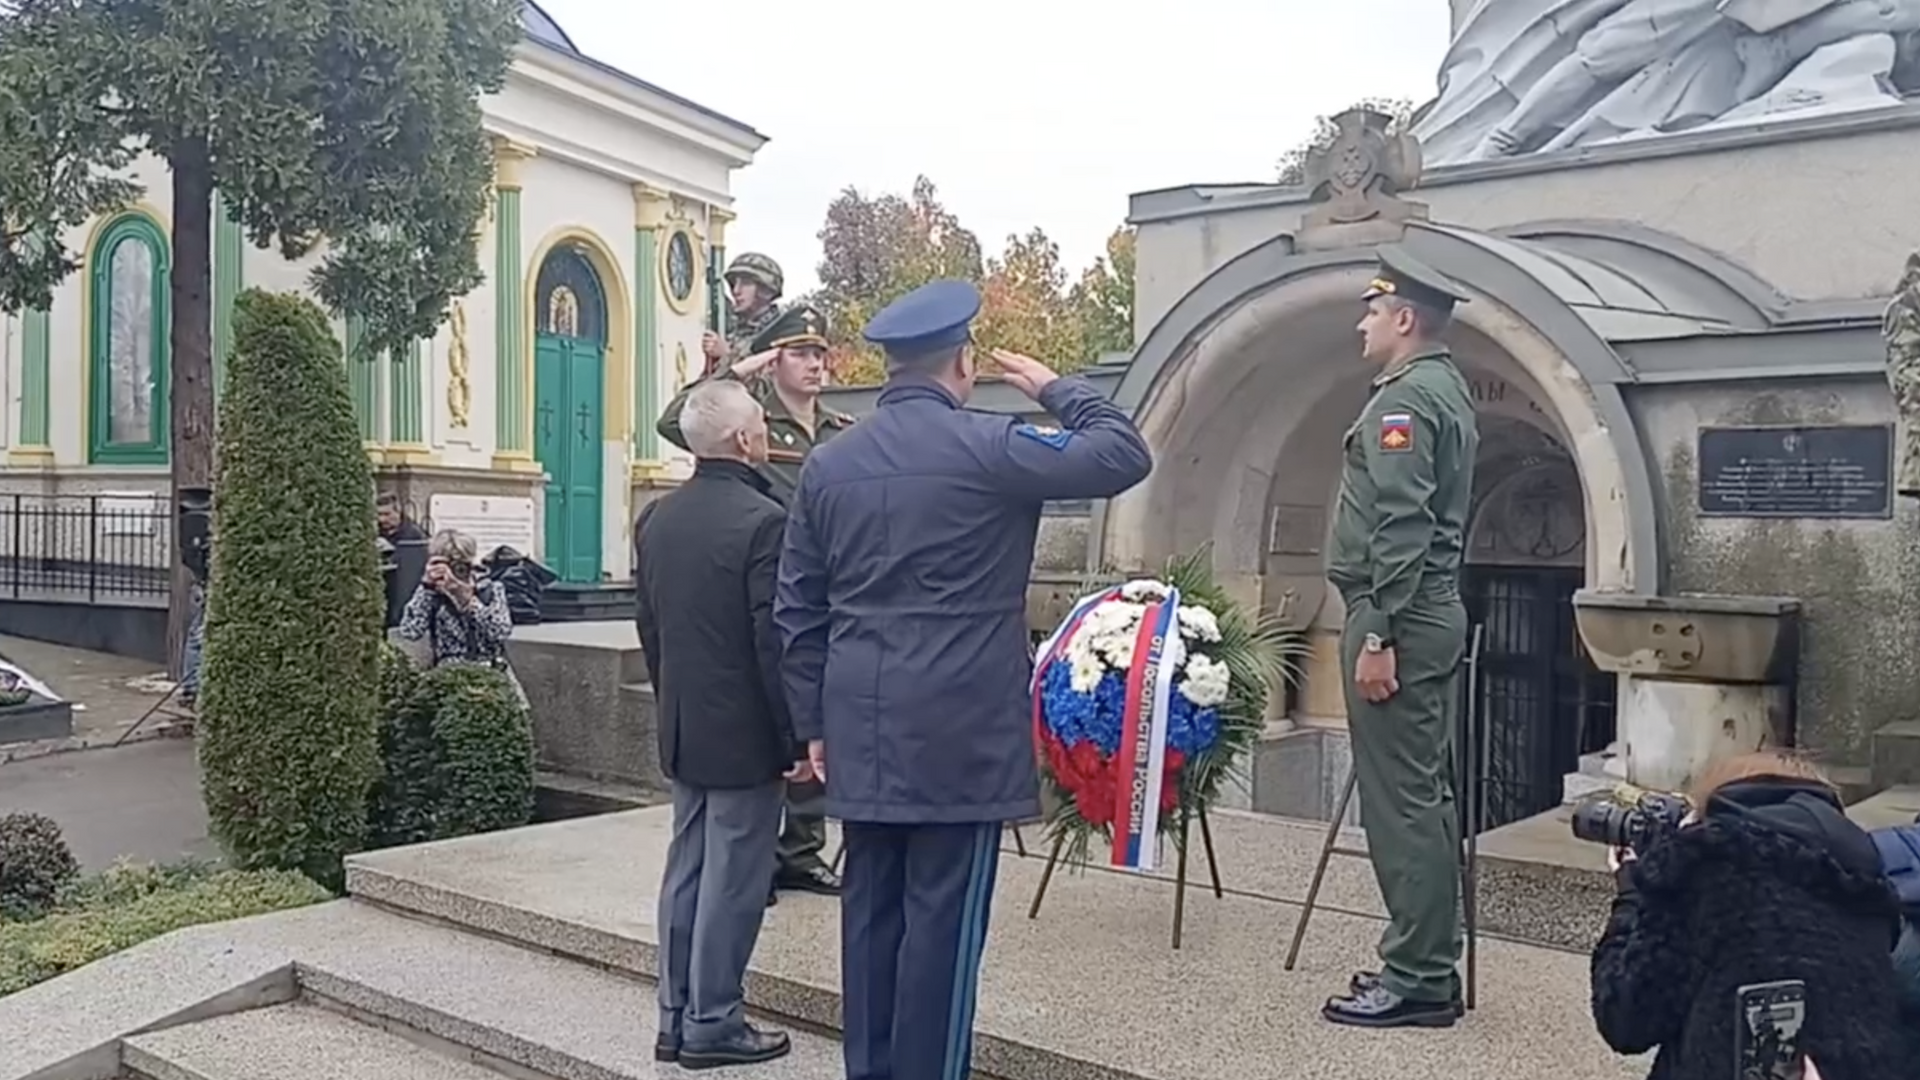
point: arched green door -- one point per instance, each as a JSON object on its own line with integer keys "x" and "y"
{"x": 569, "y": 364}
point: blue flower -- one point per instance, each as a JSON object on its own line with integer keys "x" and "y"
{"x": 1074, "y": 717}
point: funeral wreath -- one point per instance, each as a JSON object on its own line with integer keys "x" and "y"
{"x": 1147, "y": 699}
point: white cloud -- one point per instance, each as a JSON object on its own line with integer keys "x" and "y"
{"x": 1024, "y": 112}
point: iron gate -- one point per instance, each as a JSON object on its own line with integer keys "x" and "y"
{"x": 1542, "y": 703}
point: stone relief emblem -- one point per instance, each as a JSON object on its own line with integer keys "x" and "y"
{"x": 1359, "y": 176}
{"x": 1901, "y": 328}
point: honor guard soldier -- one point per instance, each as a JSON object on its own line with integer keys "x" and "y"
{"x": 785, "y": 372}
{"x": 902, "y": 612}
{"x": 754, "y": 284}
{"x": 1400, "y": 529}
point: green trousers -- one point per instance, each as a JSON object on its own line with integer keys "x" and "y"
{"x": 1403, "y": 757}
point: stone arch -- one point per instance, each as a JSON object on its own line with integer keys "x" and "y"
{"x": 1261, "y": 352}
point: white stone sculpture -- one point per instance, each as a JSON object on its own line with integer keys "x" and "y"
{"x": 1524, "y": 76}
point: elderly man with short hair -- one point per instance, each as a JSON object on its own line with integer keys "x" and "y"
{"x": 706, "y": 561}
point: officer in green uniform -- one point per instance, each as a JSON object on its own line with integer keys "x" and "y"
{"x": 786, "y": 368}
{"x": 1405, "y": 490}
{"x": 754, "y": 285}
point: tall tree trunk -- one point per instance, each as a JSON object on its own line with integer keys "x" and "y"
{"x": 190, "y": 394}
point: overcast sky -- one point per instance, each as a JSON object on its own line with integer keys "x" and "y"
{"x": 1023, "y": 112}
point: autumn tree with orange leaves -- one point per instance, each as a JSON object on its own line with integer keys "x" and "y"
{"x": 876, "y": 249}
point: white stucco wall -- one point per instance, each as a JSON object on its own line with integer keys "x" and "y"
{"x": 592, "y": 137}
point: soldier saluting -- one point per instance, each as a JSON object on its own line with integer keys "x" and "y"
{"x": 1405, "y": 491}
{"x": 785, "y": 369}
{"x": 754, "y": 284}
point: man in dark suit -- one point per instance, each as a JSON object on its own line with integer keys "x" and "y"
{"x": 705, "y": 568}
{"x": 903, "y": 610}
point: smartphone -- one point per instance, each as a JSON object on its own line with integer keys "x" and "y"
{"x": 1767, "y": 1032}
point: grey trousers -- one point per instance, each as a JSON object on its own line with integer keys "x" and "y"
{"x": 712, "y": 898}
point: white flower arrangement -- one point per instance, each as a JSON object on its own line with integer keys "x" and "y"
{"x": 1105, "y": 640}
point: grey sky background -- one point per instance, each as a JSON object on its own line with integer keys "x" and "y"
{"x": 1023, "y": 112}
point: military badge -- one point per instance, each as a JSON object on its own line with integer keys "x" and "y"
{"x": 1046, "y": 436}
{"x": 1396, "y": 432}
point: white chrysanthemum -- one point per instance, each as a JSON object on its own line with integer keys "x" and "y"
{"x": 1086, "y": 672}
{"x": 1205, "y": 682}
{"x": 1198, "y": 623}
{"x": 1145, "y": 590}
{"x": 1117, "y": 650}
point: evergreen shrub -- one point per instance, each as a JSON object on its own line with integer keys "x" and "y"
{"x": 35, "y": 864}
{"x": 484, "y": 742}
{"x": 288, "y": 728}
{"x": 406, "y": 796}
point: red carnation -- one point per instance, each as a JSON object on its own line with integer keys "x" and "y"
{"x": 1170, "y": 780}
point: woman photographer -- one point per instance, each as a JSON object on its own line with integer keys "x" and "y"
{"x": 461, "y": 614}
{"x": 1766, "y": 881}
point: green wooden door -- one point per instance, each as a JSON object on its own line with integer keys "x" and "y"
{"x": 567, "y": 405}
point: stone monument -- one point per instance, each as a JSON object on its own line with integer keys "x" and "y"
{"x": 1901, "y": 327}
{"x": 1524, "y": 76}
{"x": 1356, "y": 181}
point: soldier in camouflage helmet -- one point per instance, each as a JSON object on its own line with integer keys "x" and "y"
{"x": 754, "y": 283}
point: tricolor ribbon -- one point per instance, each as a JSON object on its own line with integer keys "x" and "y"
{"x": 1140, "y": 760}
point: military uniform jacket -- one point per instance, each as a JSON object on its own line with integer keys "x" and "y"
{"x": 902, "y": 602}
{"x": 788, "y": 440}
{"x": 1405, "y": 492}
{"x": 742, "y": 331}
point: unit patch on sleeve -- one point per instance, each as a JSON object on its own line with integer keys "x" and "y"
{"x": 1396, "y": 432}
{"x": 1045, "y": 436}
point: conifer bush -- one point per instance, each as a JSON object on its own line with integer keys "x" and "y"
{"x": 484, "y": 743}
{"x": 35, "y": 864}
{"x": 406, "y": 796}
{"x": 289, "y": 739}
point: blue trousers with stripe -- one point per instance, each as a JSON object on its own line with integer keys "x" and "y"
{"x": 913, "y": 922}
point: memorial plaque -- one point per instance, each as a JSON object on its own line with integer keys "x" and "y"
{"x": 1797, "y": 472}
{"x": 492, "y": 520}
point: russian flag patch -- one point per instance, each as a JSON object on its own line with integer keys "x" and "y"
{"x": 1396, "y": 432}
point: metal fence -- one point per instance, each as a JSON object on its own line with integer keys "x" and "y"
{"x": 103, "y": 547}
{"x": 1542, "y": 703}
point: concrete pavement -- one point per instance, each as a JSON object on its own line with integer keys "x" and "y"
{"x": 141, "y": 801}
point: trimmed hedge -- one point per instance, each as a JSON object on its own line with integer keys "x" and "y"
{"x": 456, "y": 749}
{"x": 127, "y": 905}
{"x": 485, "y": 744}
{"x": 35, "y": 864}
{"x": 288, "y": 728}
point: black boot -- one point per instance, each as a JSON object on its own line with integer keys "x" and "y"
{"x": 814, "y": 878}
{"x": 1362, "y": 980}
{"x": 748, "y": 1046}
{"x": 1378, "y": 1007}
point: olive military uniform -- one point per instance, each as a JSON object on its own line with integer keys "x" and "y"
{"x": 1398, "y": 538}
{"x": 804, "y": 836}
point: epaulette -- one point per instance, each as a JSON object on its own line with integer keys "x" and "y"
{"x": 838, "y": 417}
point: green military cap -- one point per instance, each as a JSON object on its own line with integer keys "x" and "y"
{"x": 757, "y": 267}
{"x": 801, "y": 324}
{"x": 1402, "y": 275}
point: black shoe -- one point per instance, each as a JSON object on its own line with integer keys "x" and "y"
{"x": 773, "y": 897}
{"x": 666, "y": 1048}
{"x": 1362, "y": 981}
{"x": 817, "y": 878}
{"x": 1379, "y": 1007}
{"x": 750, "y": 1046}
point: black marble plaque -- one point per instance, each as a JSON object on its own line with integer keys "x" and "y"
{"x": 1797, "y": 472}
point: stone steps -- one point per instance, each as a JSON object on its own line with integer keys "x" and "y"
{"x": 299, "y": 1042}
{"x": 386, "y": 997}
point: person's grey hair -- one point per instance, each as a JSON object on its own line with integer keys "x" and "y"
{"x": 453, "y": 546}
{"x": 924, "y": 362}
{"x": 716, "y": 412}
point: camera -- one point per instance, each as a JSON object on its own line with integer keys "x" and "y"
{"x": 1629, "y": 817}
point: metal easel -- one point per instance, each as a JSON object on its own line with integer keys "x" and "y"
{"x": 1472, "y": 793}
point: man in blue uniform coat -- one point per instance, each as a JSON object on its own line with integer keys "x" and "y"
{"x": 902, "y": 611}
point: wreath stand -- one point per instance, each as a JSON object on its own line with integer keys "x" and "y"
{"x": 1179, "y": 872}
{"x": 1472, "y": 793}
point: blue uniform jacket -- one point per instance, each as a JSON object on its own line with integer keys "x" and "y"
{"x": 902, "y": 602}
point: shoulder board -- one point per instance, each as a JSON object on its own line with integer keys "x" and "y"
{"x": 843, "y": 419}
{"x": 791, "y": 456}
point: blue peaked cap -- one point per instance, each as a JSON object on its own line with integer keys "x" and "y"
{"x": 934, "y": 316}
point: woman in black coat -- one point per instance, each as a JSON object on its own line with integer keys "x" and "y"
{"x": 1773, "y": 882}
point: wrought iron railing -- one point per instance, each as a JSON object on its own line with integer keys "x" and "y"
{"x": 102, "y": 547}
